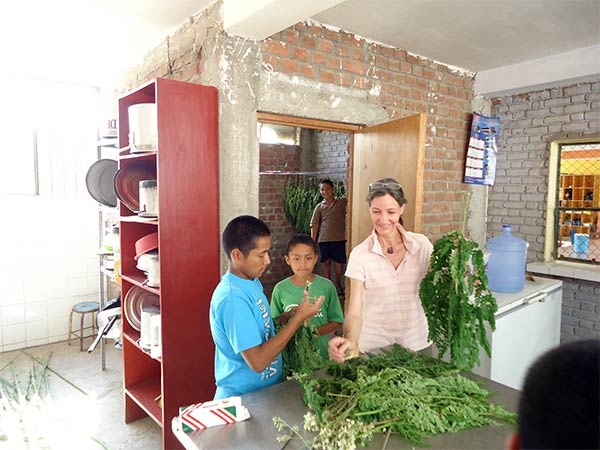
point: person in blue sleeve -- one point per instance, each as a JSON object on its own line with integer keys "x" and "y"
{"x": 247, "y": 350}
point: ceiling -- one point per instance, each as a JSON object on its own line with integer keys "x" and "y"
{"x": 90, "y": 41}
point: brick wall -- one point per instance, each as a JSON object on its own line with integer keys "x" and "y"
{"x": 580, "y": 310}
{"x": 331, "y": 155}
{"x": 403, "y": 84}
{"x": 275, "y": 157}
{"x": 528, "y": 123}
{"x": 393, "y": 80}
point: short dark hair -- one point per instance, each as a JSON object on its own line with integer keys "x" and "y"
{"x": 301, "y": 238}
{"x": 326, "y": 181}
{"x": 397, "y": 194}
{"x": 243, "y": 232}
{"x": 560, "y": 401}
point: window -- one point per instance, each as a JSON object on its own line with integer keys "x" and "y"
{"x": 577, "y": 202}
{"x": 278, "y": 134}
{"x": 49, "y": 133}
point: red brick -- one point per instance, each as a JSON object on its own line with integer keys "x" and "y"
{"x": 412, "y": 59}
{"x": 334, "y": 63}
{"x": 272, "y": 61}
{"x": 381, "y": 62}
{"x": 388, "y": 52}
{"x": 290, "y": 36}
{"x": 354, "y": 67}
{"x": 357, "y": 54}
{"x": 307, "y": 71}
{"x": 350, "y": 39}
{"x": 315, "y": 30}
{"x": 333, "y": 36}
{"x": 399, "y": 79}
{"x": 301, "y": 54}
{"x": 308, "y": 42}
{"x": 289, "y": 66}
{"x": 325, "y": 45}
{"x": 318, "y": 58}
{"x": 343, "y": 51}
{"x": 276, "y": 47}
{"x": 327, "y": 76}
{"x": 394, "y": 65}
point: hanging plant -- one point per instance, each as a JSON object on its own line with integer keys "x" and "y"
{"x": 456, "y": 299}
{"x": 300, "y": 198}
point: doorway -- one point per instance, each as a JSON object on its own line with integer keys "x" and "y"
{"x": 392, "y": 149}
{"x": 293, "y": 159}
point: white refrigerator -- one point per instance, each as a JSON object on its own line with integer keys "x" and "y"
{"x": 527, "y": 324}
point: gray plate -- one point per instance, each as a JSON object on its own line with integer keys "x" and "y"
{"x": 100, "y": 181}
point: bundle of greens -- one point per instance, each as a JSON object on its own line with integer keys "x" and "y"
{"x": 397, "y": 391}
{"x": 456, "y": 300}
{"x": 301, "y": 354}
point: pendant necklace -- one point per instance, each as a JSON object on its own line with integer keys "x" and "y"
{"x": 390, "y": 250}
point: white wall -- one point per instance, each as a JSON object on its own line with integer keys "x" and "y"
{"x": 49, "y": 242}
{"x": 48, "y": 264}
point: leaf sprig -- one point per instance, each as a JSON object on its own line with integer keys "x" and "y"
{"x": 456, "y": 300}
{"x": 301, "y": 355}
{"x": 396, "y": 391}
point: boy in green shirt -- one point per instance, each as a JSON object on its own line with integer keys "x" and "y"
{"x": 302, "y": 256}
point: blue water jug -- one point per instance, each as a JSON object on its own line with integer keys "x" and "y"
{"x": 506, "y": 266}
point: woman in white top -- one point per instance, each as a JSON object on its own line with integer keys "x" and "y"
{"x": 385, "y": 273}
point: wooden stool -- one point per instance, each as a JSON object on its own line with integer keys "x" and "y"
{"x": 83, "y": 308}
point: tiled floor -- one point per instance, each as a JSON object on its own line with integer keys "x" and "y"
{"x": 85, "y": 407}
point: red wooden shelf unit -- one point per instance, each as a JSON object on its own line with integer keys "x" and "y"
{"x": 186, "y": 164}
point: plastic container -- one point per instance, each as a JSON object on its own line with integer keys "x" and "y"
{"x": 581, "y": 243}
{"x": 506, "y": 266}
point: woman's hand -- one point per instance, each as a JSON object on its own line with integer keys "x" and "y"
{"x": 340, "y": 349}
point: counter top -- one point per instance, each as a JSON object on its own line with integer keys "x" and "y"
{"x": 532, "y": 289}
{"x": 285, "y": 401}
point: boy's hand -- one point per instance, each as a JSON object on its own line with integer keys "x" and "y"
{"x": 286, "y": 316}
{"x": 306, "y": 309}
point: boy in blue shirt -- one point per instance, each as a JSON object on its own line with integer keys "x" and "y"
{"x": 248, "y": 352}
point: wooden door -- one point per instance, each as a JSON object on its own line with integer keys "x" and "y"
{"x": 393, "y": 149}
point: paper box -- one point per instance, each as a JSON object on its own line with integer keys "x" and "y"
{"x": 209, "y": 414}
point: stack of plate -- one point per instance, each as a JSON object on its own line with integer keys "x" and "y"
{"x": 127, "y": 182}
{"x": 135, "y": 300}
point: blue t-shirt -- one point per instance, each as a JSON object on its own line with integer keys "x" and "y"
{"x": 240, "y": 318}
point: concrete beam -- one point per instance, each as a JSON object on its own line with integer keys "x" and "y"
{"x": 575, "y": 66}
{"x": 259, "y": 19}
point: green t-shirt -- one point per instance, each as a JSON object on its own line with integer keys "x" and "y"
{"x": 286, "y": 295}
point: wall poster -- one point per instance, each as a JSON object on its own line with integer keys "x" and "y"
{"x": 480, "y": 166}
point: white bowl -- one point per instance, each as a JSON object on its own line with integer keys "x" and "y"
{"x": 143, "y": 262}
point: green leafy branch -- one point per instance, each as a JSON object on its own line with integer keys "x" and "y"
{"x": 396, "y": 391}
{"x": 457, "y": 301}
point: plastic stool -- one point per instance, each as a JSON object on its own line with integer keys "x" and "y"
{"x": 83, "y": 308}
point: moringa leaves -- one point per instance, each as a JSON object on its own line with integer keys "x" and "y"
{"x": 457, "y": 301}
{"x": 396, "y": 391}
